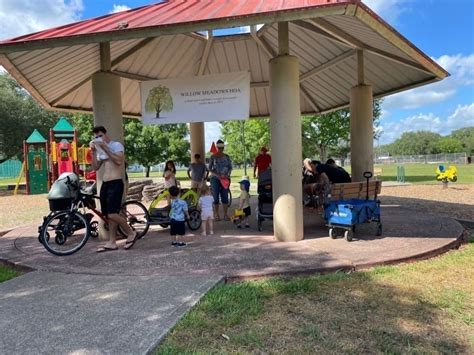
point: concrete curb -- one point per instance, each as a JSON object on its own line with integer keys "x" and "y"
{"x": 16, "y": 266}
{"x": 347, "y": 268}
{"x": 5, "y": 231}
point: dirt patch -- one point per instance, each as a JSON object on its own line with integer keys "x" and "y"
{"x": 19, "y": 210}
{"x": 457, "y": 201}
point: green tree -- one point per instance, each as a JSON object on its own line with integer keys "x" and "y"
{"x": 245, "y": 137}
{"x": 415, "y": 143}
{"x": 19, "y": 116}
{"x": 466, "y": 137}
{"x": 159, "y": 100}
{"x": 149, "y": 145}
{"x": 331, "y": 132}
{"x": 83, "y": 123}
{"x": 450, "y": 145}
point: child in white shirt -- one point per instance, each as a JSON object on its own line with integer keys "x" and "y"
{"x": 205, "y": 205}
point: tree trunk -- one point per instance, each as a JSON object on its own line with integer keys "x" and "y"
{"x": 148, "y": 171}
{"x": 322, "y": 153}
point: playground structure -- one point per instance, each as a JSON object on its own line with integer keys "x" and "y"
{"x": 45, "y": 160}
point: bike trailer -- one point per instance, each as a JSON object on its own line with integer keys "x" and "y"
{"x": 63, "y": 192}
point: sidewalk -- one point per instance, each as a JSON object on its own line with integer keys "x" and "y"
{"x": 55, "y": 313}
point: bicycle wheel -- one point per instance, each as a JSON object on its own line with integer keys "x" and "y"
{"x": 194, "y": 221}
{"x": 137, "y": 217}
{"x": 65, "y": 232}
{"x": 230, "y": 198}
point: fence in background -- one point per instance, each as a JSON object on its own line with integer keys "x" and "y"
{"x": 10, "y": 169}
{"x": 452, "y": 158}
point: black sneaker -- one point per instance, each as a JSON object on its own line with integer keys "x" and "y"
{"x": 182, "y": 244}
{"x": 174, "y": 243}
{"x": 239, "y": 226}
{"x": 247, "y": 226}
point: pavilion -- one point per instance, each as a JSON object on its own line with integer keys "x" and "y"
{"x": 304, "y": 57}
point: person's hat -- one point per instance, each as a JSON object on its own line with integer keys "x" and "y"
{"x": 264, "y": 149}
{"x": 244, "y": 178}
{"x": 220, "y": 144}
{"x": 245, "y": 181}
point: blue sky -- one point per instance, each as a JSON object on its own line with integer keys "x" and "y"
{"x": 443, "y": 29}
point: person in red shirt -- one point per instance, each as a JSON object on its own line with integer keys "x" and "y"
{"x": 262, "y": 162}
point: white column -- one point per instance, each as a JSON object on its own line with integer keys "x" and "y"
{"x": 107, "y": 106}
{"x": 285, "y": 125}
{"x": 196, "y": 132}
{"x": 362, "y": 139}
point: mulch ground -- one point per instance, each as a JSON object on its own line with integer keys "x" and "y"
{"x": 456, "y": 201}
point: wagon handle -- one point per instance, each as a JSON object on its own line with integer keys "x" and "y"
{"x": 367, "y": 175}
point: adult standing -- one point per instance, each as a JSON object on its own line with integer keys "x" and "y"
{"x": 109, "y": 156}
{"x": 262, "y": 162}
{"x": 197, "y": 172}
{"x": 220, "y": 167}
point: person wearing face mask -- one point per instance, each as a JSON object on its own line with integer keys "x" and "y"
{"x": 108, "y": 156}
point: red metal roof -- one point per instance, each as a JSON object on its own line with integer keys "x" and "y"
{"x": 175, "y": 12}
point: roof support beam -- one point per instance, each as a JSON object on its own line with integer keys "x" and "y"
{"x": 132, "y": 76}
{"x": 105, "y": 61}
{"x": 310, "y": 100}
{"x": 360, "y": 67}
{"x": 353, "y": 42}
{"x": 283, "y": 38}
{"x": 205, "y": 53}
{"x": 310, "y": 27}
{"x": 89, "y": 111}
{"x": 23, "y": 81}
{"x": 131, "y": 51}
{"x": 262, "y": 43}
{"x": 66, "y": 93}
{"x": 364, "y": 14}
{"x": 327, "y": 65}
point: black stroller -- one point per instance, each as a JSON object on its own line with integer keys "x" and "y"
{"x": 265, "y": 197}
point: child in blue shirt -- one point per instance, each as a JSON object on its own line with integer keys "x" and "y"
{"x": 178, "y": 215}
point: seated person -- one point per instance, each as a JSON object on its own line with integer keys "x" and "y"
{"x": 336, "y": 175}
{"x": 314, "y": 183}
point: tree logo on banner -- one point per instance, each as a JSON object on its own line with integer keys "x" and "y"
{"x": 159, "y": 100}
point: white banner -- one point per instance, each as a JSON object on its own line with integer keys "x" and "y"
{"x": 220, "y": 97}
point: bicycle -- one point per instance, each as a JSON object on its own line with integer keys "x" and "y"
{"x": 160, "y": 215}
{"x": 72, "y": 229}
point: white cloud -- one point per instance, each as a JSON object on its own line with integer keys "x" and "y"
{"x": 463, "y": 116}
{"x": 389, "y": 10}
{"x": 461, "y": 69}
{"x": 119, "y": 8}
{"x": 22, "y": 17}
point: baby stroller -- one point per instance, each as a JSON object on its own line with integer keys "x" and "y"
{"x": 265, "y": 198}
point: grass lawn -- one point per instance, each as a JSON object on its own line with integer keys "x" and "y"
{"x": 423, "y": 307}
{"x": 426, "y": 173}
{"x": 11, "y": 181}
{"x": 414, "y": 173}
{"x": 7, "y": 273}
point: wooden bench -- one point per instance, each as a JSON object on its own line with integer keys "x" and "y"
{"x": 355, "y": 190}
